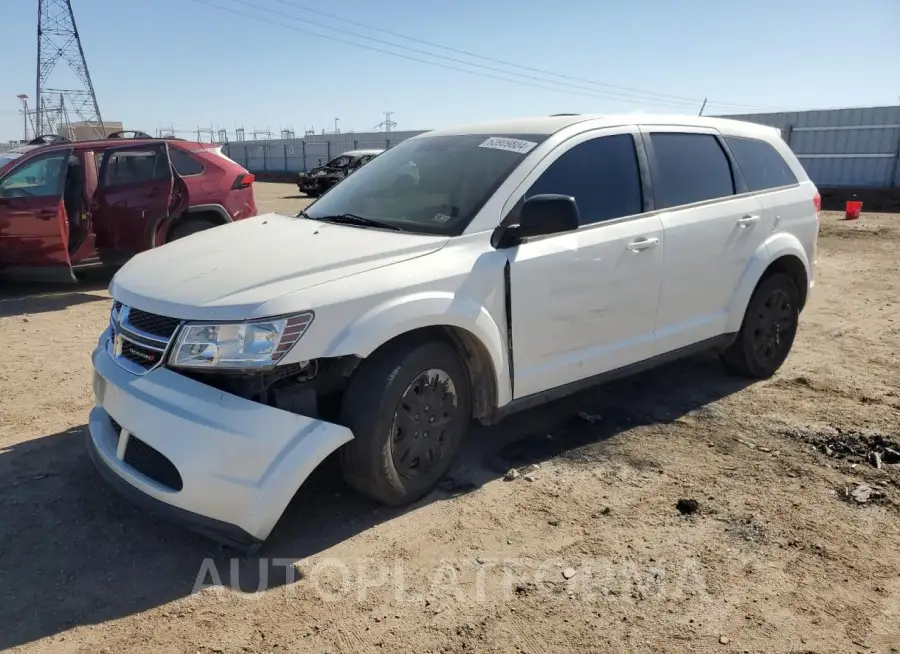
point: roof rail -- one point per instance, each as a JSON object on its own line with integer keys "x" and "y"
{"x": 48, "y": 139}
{"x": 555, "y": 115}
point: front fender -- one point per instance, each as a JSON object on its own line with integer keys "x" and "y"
{"x": 433, "y": 309}
{"x": 775, "y": 247}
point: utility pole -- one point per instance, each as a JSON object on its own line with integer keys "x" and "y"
{"x": 336, "y": 130}
{"x": 59, "y": 42}
{"x": 24, "y": 99}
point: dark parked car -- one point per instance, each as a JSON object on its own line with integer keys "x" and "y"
{"x": 320, "y": 179}
{"x": 69, "y": 206}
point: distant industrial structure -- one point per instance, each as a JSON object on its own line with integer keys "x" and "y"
{"x": 842, "y": 148}
{"x": 63, "y": 99}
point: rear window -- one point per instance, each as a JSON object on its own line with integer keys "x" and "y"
{"x": 760, "y": 163}
{"x": 690, "y": 168}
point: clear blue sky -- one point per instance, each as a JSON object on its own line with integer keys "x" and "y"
{"x": 162, "y": 62}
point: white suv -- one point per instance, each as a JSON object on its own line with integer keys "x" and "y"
{"x": 524, "y": 260}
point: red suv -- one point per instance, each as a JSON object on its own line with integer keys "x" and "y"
{"x": 69, "y": 206}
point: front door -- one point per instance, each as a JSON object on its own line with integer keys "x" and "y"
{"x": 584, "y": 303}
{"x": 136, "y": 191}
{"x": 712, "y": 228}
{"x": 34, "y": 227}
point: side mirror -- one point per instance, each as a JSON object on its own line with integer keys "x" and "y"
{"x": 547, "y": 214}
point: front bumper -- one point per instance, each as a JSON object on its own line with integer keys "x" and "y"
{"x": 307, "y": 184}
{"x": 239, "y": 462}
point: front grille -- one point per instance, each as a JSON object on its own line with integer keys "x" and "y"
{"x": 150, "y": 323}
{"x": 139, "y": 340}
{"x": 152, "y": 464}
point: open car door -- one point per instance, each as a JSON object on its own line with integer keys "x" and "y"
{"x": 137, "y": 191}
{"x": 34, "y": 227}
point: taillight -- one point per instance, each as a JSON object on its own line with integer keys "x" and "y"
{"x": 817, "y": 202}
{"x": 244, "y": 180}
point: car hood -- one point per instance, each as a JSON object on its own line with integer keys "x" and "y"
{"x": 227, "y": 272}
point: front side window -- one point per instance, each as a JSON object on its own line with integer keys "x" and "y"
{"x": 761, "y": 164}
{"x": 40, "y": 177}
{"x": 601, "y": 174}
{"x": 689, "y": 168}
{"x": 429, "y": 184}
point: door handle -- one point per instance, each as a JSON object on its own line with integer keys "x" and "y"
{"x": 747, "y": 220}
{"x": 643, "y": 244}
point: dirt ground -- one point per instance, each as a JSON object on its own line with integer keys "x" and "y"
{"x": 584, "y": 551}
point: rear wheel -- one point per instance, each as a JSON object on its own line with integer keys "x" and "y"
{"x": 768, "y": 331}
{"x": 409, "y": 407}
{"x": 190, "y": 227}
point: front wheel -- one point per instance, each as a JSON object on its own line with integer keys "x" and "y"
{"x": 409, "y": 407}
{"x": 767, "y": 333}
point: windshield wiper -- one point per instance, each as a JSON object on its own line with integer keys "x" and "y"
{"x": 353, "y": 219}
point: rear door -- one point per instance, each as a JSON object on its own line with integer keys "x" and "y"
{"x": 713, "y": 225}
{"x": 34, "y": 228}
{"x": 136, "y": 191}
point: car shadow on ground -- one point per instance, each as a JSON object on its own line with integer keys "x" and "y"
{"x": 72, "y": 552}
{"x": 19, "y": 299}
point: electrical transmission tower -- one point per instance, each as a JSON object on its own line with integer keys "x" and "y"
{"x": 387, "y": 124}
{"x": 58, "y": 91}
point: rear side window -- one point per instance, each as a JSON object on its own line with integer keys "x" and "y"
{"x": 689, "y": 168}
{"x": 130, "y": 166}
{"x": 761, "y": 164}
{"x": 184, "y": 163}
{"x": 601, "y": 174}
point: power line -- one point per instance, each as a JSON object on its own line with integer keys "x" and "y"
{"x": 576, "y": 90}
{"x": 580, "y": 87}
{"x": 503, "y": 62}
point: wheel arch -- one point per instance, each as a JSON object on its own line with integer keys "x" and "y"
{"x": 161, "y": 230}
{"x": 782, "y": 253}
{"x": 462, "y": 322}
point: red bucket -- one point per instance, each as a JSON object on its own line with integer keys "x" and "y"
{"x": 854, "y": 208}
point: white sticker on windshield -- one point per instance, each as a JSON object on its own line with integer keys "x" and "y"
{"x": 510, "y": 145}
{"x": 441, "y": 218}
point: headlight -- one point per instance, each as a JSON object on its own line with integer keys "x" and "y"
{"x": 257, "y": 344}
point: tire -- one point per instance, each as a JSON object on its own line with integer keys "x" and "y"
{"x": 768, "y": 329}
{"x": 389, "y": 457}
{"x": 190, "y": 227}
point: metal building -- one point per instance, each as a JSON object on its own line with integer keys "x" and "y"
{"x": 842, "y": 148}
{"x": 301, "y": 154}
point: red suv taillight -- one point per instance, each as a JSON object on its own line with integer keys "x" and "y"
{"x": 244, "y": 180}
{"x": 817, "y": 203}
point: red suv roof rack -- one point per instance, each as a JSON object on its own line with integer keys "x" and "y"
{"x": 129, "y": 134}
{"x": 48, "y": 139}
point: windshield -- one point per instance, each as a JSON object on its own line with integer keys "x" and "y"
{"x": 6, "y": 157}
{"x": 428, "y": 185}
